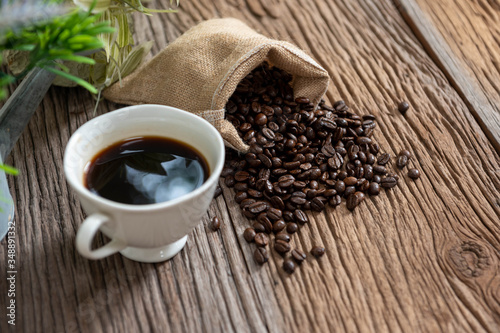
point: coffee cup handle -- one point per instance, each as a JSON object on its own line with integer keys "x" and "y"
{"x": 86, "y": 234}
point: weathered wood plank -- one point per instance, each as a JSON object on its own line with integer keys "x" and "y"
{"x": 403, "y": 261}
{"x": 468, "y": 54}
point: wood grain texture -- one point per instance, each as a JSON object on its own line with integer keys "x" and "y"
{"x": 421, "y": 257}
{"x": 471, "y": 66}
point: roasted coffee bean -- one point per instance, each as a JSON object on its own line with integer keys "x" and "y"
{"x": 318, "y": 251}
{"x": 266, "y": 222}
{"x": 403, "y": 107}
{"x": 374, "y": 188}
{"x": 277, "y": 202}
{"x": 286, "y": 181}
{"x": 240, "y": 196}
{"x": 289, "y": 266}
{"x": 402, "y": 161}
{"x": 291, "y": 227}
{"x": 300, "y": 216}
{"x": 248, "y": 214}
{"x": 288, "y": 216}
{"x": 226, "y": 172}
{"x": 340, "y": 186}
{"x": 241, "y": 187}
{"x": 282, "y": 246}
{"x": 291, "y": 165}
{"x": 363, "y": 184}
{"x": 330, "y": 193}
{"x": 247, "y": 202}
{"x": 268, "y": 133}
{"x": 335, "y": 200}
{"x": 260, "y": 255}
{"x": 384, "y": 159}
{"x": 313, "y": 185}
{"x": 215, "y": 223}
{"x": 257, "y": 207}
{"x": 374, "y": 148}
{"x": 218, "y": 191}
{"x": 380, "y": 169}
{"x": 370, "y": 159}
{"x": 241, "y": 176}
{"x": 335, "y": 162}
{"x": 277, "y": 162}
{"x": 405, "y": 153}
{"x": 278, "y": 226}
{"x": 299, "y": 256}
{"x": 265, "y": 160}
{"x": 299, "y": 184}
{"x": 264, "y": 174}
{"x": 254, "y": 193}
{"x": 363, "y": 139}
{"x": 388, "y": 182}
{"x": 349, "y": 190}
{"x": 392, "y": 174}
{"x": 260, "y": 119}
{"x": 258, "y": 227}
{"x": 298, "y": 200}
{"x": 261, "y": 239}
{"x": 317, "y": 204}
{"x": 274, "y": 214}
{"x": 352, "y": 202}
{"x": 414, "y": 173}
{"x": 229, "y": 181}
{"x": 350, "y": 181}
{"x": 302, "y": 100}
{"x": 283, "y": 237}
{"x": 249, "y": 234}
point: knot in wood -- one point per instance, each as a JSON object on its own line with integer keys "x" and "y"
{"x": 470, "y": 259}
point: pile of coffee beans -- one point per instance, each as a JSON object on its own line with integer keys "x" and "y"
{"x": 301, "y": 158}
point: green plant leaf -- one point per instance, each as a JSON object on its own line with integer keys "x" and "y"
{"x": 76, "y": 79}
{"x": 9, "y": 170}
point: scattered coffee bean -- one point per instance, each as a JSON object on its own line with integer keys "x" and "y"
{"x": 279, "y": 226}
{"x": 403, "y": 107}
{"x": 300, "y": 216}
{"x": 249, "y": 234}
{"x": 218, "y": 191}
{"x": 283, "y": 237}
{"x": 291, "y": 227}
{"x": 260, "y": 255}
{"x": 384, "y": 159}
{"x": 289, "y": 266}
{"x": 281, "y": 246}
{"x": 402, "y": 161}
{"x": 374, "y": 188}
{"x": 414, "y": 173}
{"x": 388, "y": 182}
{"x": 318, "y": 251}
{"x": 215, "y": 223}
{"x": 299, "y": 255}
{"x": 405, "y": 152}
{"x": 301, "y": 157}
{"x": 261, "y": 239}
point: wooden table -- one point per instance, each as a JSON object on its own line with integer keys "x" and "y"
{"x": 421, "y": 257}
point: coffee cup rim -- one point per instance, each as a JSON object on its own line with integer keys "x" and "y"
{"x": 79, "y": 186}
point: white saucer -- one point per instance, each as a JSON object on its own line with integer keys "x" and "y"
{"x": 157, "y": 254}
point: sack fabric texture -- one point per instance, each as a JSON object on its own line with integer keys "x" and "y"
{"x": 201, "y": 69}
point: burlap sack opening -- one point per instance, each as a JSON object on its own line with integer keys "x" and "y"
{"x": 200, "y": 70}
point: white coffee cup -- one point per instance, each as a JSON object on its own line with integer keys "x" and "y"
{"x": 145, "y": 233}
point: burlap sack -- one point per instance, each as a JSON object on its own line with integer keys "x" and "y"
{"x": 200, "y": 70}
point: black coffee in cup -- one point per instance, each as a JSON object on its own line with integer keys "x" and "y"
{"x": 146, "y": 170}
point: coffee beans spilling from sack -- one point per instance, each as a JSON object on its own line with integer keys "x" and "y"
{"x": 300, "y": 159}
